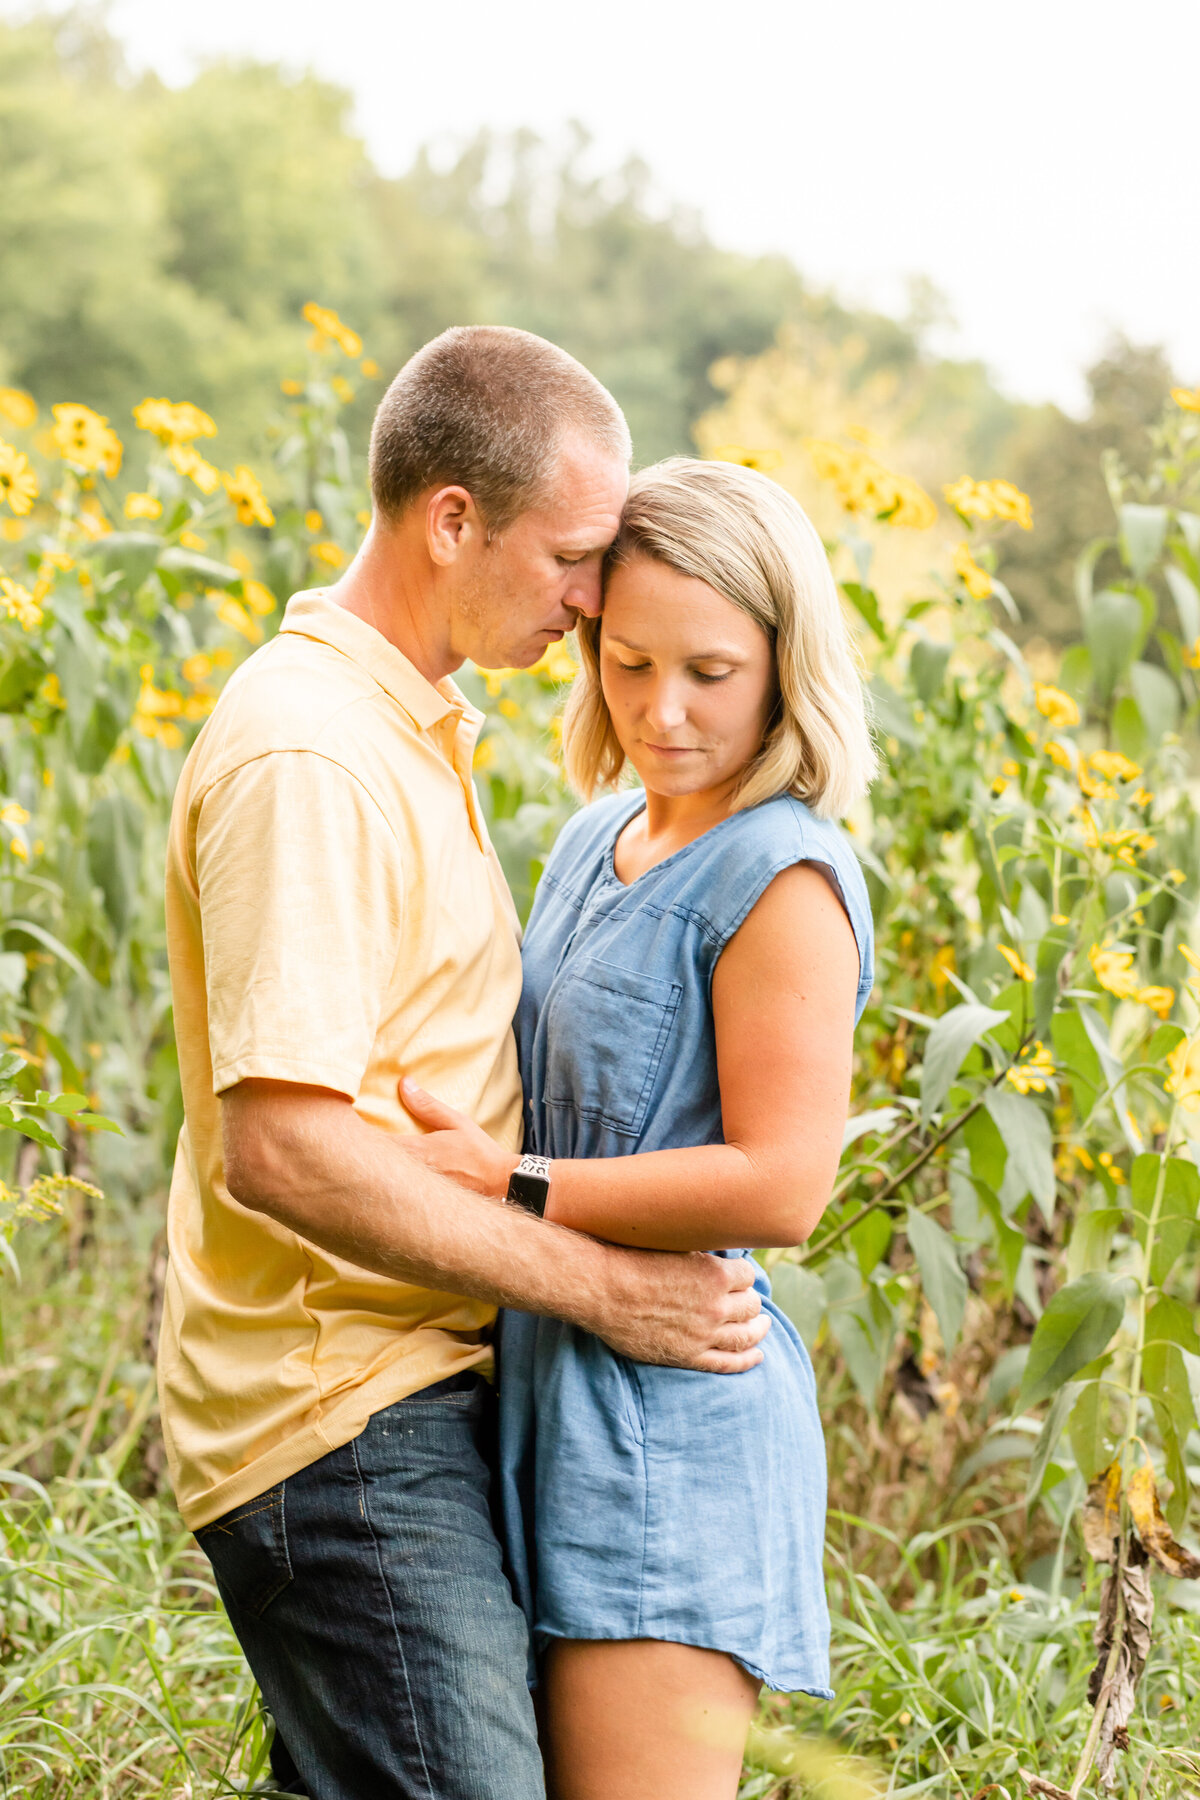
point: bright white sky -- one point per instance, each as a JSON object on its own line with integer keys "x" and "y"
{"x": 1036, "y": 159}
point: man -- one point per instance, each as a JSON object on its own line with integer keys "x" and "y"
{"x": 337, "y": 921}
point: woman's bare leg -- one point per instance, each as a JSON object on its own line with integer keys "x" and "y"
{"x": 643, "y": 1720}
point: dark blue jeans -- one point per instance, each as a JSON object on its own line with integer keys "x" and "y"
{"x": 368, "y": 1595}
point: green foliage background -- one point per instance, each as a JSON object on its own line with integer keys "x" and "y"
{"x": 1001, "y": 1297}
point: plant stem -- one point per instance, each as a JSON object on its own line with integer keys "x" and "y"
{"x": 1131, "y": 1422}
{"x": 918, "y": 1162}
{"x": 1110, "y": 1669}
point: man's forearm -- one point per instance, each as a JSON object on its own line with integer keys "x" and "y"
{"x": 305, "y": 1158}
{"x": 316, "y": 1167}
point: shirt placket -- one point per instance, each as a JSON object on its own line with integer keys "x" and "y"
{"x": 456, "y": 736}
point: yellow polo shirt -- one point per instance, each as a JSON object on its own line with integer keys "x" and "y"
{"x": 335, "y": 916}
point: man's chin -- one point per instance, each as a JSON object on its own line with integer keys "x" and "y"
{"x": 524, "y": 656}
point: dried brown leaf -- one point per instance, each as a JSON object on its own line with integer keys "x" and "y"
{"x": 1132, "y": 1583}
{"x": 1153, "y": 1529}
{"x": 1036, "y": 1785}
{"x": 1102, "y": 1514}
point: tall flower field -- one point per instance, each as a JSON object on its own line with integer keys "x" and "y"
{"x": 1001, "y": 1297}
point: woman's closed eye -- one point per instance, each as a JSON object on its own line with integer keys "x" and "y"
{"x": 704, "y": 675}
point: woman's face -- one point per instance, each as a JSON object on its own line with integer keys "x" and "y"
{"x": 688, "y": 677}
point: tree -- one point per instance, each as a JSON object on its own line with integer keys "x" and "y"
{"x": 1057, "y": 460}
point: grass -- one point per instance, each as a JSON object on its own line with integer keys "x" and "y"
{"x": 962, "y": 1635}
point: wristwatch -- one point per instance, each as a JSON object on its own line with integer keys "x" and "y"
{"x": 529, "y": 1185}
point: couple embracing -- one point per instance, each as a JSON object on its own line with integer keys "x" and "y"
{"x": 509, "y": 1470}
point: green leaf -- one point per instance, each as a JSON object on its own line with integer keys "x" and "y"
{"x": 1087, "y": 1429}
{"x": 1143, "y": 533}
{"x": 114, "y": 856}
{"x": 1157, "y": 698}
{"x": 866, "y": 603}
{"x": 947, "y": 1044}
{"x": 893, "y": 715}
{"x": 870, "y": 1239}
{"x": 1129, "y": 732}
{"x": 879, "y": 1119}
{"x": 97, "y": 1122}
{"x": 863, "y": 1323}
{"x": 1114, "y": 630}
{"x": 1165, "y": 1039}
{"x": 67, "y": 1104}
{"x": 77, "y": 666}
{"x": 198, "y": 568}
{"x": 1075, "y": 672}
{"x": 1026, "y": 1133}
{"x": 1075, "y": 1053}
{"x": 31, "y": 1129}
{"x": 1077, "y": 1325}
{"x": 1091, "y": 1240}
{"x": 986, "y": 1149}
{"x": 1010, "y": 1241}
{"x": 1164, "y": 1377}
{"x": 942, "y": 1278}
{"x": 134, "y": 553}
{"x": 1098, "y": 1036}
{"x": 800, "y": 1294}
{"x": 53, "y": 944}
{"x": 1169, "y": 1321}
{"x": 13, "y": 971}
{"x": 1176, "y": 1230}
{"x": 1047, "y": 1443}
{"x": 18, "y": 681}
{"x": 1050, "y": 952}
{"x": 98, "y": 739}
{"x": 927, "y": 666}
{"x": 11, "y": 1063}
{"x": 1187, "y": 602}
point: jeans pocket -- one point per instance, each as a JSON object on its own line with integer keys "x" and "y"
{"x": 249, "y": 1552}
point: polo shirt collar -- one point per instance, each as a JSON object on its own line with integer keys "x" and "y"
{"x": 312, "y": 614}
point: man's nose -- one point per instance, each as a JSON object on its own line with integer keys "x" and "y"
{"x": 585, "y": 594}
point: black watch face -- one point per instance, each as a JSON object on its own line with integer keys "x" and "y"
{"x": 529, "y": 1191}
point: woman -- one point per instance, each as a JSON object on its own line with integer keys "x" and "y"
{"x": 698, "y": 955}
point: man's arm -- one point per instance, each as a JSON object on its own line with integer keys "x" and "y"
{"x": 783, "y": 1010}
{"x": 303, "y": 1156}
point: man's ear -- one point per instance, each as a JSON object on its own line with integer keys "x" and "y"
{"x": 452, "y": 524}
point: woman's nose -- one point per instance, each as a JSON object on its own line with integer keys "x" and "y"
{"x": 665, "y": 710}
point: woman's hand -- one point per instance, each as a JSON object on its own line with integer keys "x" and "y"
{"x": 455, "y": 1145}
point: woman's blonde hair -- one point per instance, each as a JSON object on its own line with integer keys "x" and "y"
{"x": 747, "y": 538}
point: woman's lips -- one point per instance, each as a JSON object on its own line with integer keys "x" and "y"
{"x": 670, "y": 750}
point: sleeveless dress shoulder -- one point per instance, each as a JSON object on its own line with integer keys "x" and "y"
{"x": 636, "y": 1501}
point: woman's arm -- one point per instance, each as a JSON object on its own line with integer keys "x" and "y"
{"x": 783, "y": 1009}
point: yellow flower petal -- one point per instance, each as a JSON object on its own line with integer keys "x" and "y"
{"x": 1054, "y": 705}
{"x": 1016, "y": 963}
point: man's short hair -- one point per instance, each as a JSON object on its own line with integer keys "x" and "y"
{"x": 485, "y": 407}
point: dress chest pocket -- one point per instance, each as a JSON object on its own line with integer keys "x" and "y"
{"x": 607, "y": 1030}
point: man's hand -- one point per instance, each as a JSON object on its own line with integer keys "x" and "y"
{"x": 689, "y": 1311}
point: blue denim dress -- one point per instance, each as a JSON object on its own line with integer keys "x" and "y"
{"x": 641, "y": 1502}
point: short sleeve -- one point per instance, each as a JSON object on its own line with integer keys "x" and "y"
{"x": 301, "y": 888}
